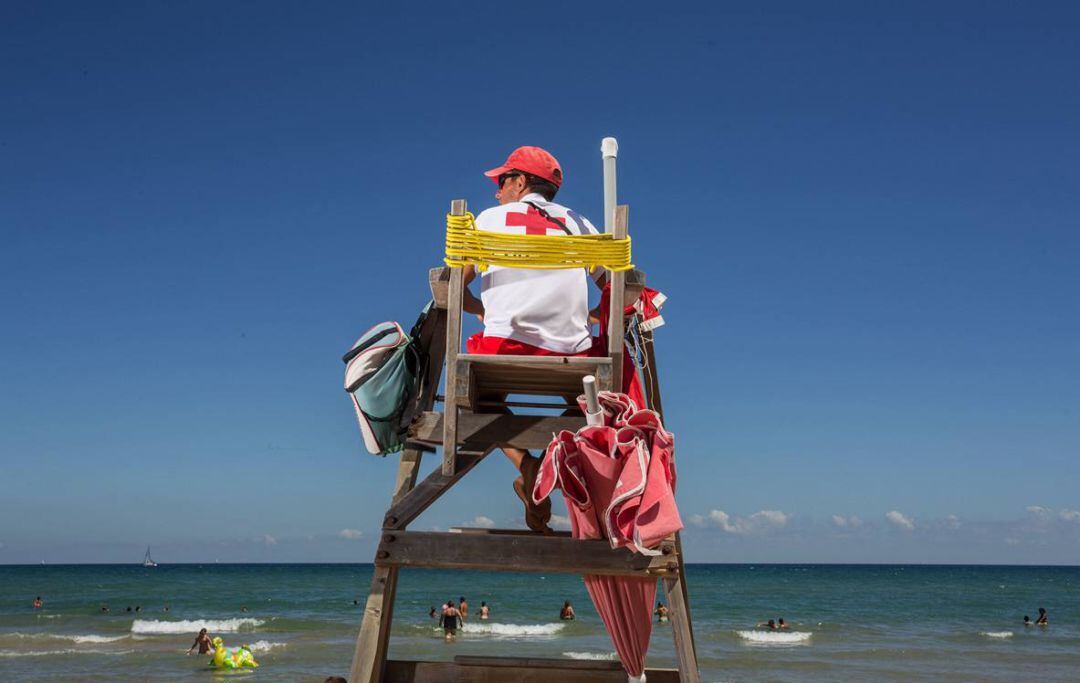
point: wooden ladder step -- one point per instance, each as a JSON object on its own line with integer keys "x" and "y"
{"x": 515, "y": 670}
{"x": 520, "y": 431}
{"x": 525, "y": 551}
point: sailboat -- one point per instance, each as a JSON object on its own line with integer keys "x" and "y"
{"x": 148, "y": 561}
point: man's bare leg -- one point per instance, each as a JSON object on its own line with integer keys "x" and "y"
{"x": 536, "y": 516}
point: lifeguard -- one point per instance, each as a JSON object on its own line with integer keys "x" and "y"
{"x": 530, "y": 312}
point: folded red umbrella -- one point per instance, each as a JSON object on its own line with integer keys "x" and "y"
{"x": 618, "y": 481}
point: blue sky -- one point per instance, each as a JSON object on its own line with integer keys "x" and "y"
{"x": 865, "y": 218}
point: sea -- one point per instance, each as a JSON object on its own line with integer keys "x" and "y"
{"x": 848, "y": 622}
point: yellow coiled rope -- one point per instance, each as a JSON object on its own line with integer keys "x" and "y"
{"x": 465, "y": 244}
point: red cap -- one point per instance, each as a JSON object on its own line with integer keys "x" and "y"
{"x": 532, "y": 160}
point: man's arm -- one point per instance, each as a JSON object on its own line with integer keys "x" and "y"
{"x": 469, "y": 302}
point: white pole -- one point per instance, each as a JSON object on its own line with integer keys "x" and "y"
{"x": 609, "y": 149}
{"x": 594, "y": 417}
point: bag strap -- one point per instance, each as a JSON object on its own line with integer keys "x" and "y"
{"x": 549, "y": 219}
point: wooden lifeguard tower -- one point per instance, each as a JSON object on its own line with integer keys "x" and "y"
{"x": 468, "y": 431}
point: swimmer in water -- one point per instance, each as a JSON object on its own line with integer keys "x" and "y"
{"x": 1042, "y": 620}
{"x": 1027, "y": 621}
{"x": 770, "y": 624}
{"x": 38, "y": 604}
{"x": 567, "y": 612}
{"x": 432, "y": 614}
{"x": 203, "y": 642}
{"x": 661, "y": 613}
{"x": 485, "y": 611}
{"x": 780, "y": 625}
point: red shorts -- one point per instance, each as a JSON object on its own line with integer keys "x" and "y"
{"x": 497, "y": 346}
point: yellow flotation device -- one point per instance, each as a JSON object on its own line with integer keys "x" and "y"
{"x": 232, "y": 658}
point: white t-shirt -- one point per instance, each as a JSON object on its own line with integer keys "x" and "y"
{"x": 545, "y": 308}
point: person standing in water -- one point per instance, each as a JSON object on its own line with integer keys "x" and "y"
{"x": 1042, "y": 620}
{"x": 203, "y": 642}
{"x": 567, "y": 612}
{"x": 450, "y": 620}
{"x": 38, "y": 604}
{"x": 485, "y": 611}
{"x": 463, "y": 607}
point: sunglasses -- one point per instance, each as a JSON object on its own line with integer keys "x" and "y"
{"x": 507, "y": 176}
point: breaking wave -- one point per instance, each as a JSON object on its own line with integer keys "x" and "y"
{"x": 511, "y": 630}
{"x": 775, "y": 638}
{"x": 90, "y": 638}
{"x": 54, "y": 653}
{"x": 996, "y": 634}
{"x": 155, "y": 627}
{"x": 60, "y": 636}
{"x": 593, "y": 656}
{"x": 264, "y": 646}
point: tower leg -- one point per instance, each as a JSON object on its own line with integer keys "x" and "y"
{"x": 680, "y": 627}
{"x": 369, "y": 658}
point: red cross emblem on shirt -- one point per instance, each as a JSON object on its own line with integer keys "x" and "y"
{"x": 534, "y": 222}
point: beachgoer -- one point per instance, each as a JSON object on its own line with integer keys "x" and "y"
{"x": 355, "y": 602}
{"x": 533, "y": 312}
{"x": 485, "y": 611}
{"x": 128, "y": 608}
{"x": 1042, "y": 620}
{"x": 104, "y": 609}
{"x": 449, "y": 621}
{"x": 770, "y": 624}
{"x": 165, "y": 609}
{"x": 138, "y": 608}
{"x": 335, "y": 679}
{"x": 780, "y": 625}
{"x": 203, "y": 642}
{"x": 661, "y": 613}
{"x": 38, "y": 604}
{"x": 1027, "y": 621}
{"x": 463, "y": 607}
{"x": 567, "y": 612}
{"x": 243, "y": 608}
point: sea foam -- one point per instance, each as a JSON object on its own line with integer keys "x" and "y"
{"x": 513, "y": 629}
{"x": 775, "y": 637}
{"x": 996, "y": 634}
{"x": 155, "y": 627}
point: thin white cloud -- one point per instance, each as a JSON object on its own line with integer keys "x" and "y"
{"x": 760, "y": 522}
{"x": 900, "y": 520}
{"x": 351, "y": 534}
{"x": 560, "y": 522}
{"x": 481, "y": 522}
{"x": 1038, "y": 511}
{"x": 842, "y": 522}
{"x": 1064, "y": 515}
{"x": 269, "y": 540}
